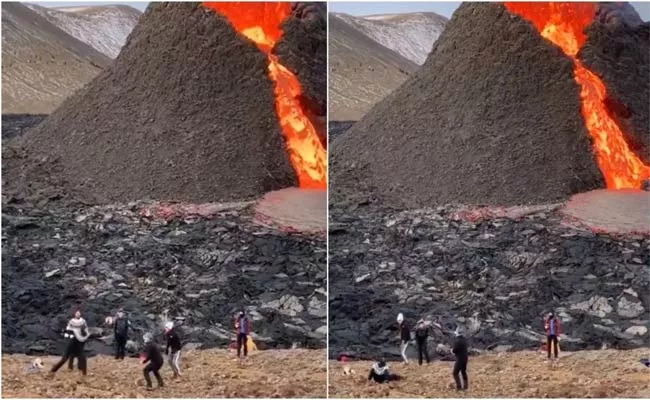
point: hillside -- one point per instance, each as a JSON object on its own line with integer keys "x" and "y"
{"x": 411, "y": 34}
{"x": 41, "y": 64}
{"x": 362, "y": 71}
{"x": 584, "y": 374}
{"x": 206, "y": 373}
{"x": 105, "y": 28}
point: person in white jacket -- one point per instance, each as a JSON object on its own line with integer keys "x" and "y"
{"x": 76, "y": 332}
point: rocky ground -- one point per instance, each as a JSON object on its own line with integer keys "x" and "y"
{"x": 210, "y": 373}
{"x": 584, "y": 374}
{"x": 494, "y": 271}
{"x": 157, "y": 262}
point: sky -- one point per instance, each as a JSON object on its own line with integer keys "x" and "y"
{"x": 445, "y": 9}
{"x": 354, "y": 8}
{"x": 140, "y": 5}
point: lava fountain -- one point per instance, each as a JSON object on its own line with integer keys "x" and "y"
{"x": 260, "y": 22}
{"x": 564, "y": 25}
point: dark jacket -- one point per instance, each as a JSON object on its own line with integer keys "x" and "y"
{"x": 173, "y": 341}
{"x": 121, "y": 327}
{"x": 405, "y": 331}
{"x": 153, "y": 354}
{"x": 421, "y": 332}
{"x": 460, "y": 349}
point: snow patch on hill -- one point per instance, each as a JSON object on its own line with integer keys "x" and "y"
{"x": 103, "y": 27}
{"x": 411, "y": 35}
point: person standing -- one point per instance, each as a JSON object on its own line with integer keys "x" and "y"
{"x": 76, "y": 332}
{"x": 421, "y": 337}
{"x": 152, "y": 356}
{"x": 460, "y": 366}
{"x": 552, "y": 329}
{"x": 405, "y": 335}
{"x": 121, "y": 330}
{"x": 242, "y": 329}
{"x": 173, "y": 343}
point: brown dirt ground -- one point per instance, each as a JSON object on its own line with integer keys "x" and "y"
{"x": 585, "y": 374}
{"x": 206, "y": 373}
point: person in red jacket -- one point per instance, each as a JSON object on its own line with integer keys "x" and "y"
{"x": 552, "y": 329}
{"x": 242, "y": 329}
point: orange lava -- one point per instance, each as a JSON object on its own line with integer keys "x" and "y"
{"x": 564, "y": 24}
{"x": 260, "y": 22}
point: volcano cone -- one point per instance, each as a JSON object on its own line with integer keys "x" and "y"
{"x": 185, "y": 113}
{"x": 492, "y": 117}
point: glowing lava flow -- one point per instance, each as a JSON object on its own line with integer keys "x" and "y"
{"x": 564, "y": 24}
{"x": 260, "y": 22}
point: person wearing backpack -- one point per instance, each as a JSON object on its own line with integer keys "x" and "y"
{"x": 121, "y": 330}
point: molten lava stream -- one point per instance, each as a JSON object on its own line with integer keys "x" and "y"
{"x": 564, "y": 24}
{"x": 260, "y": 22}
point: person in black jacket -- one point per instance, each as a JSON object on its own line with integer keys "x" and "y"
{"x": 121, "y": 330}
{"x": 152, "y": 356}
{"x": 76, "y": 334}
{"x": 421, "y": 336}
{"x": 380, "y": 374}
{"x": 173, "y": 343}
{"x": 405, "y": 335}
{"x": 460, "y": 367}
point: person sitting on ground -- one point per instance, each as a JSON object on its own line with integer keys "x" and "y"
{"x": 153, "y": 356}
{"x": 76, "y": 333}
{"x": 460, "y": 366}
{"x": 552, "y": 329}
{"x": 380, "y": 374}
{"x": 421, "y": 337}
{"x": 405, "y": 335}
{"x": 173, "y": 343}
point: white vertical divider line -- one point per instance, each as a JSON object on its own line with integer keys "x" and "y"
{"x": 327, "y": 208}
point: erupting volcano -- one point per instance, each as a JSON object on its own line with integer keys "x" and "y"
{"x": 564, "y": 25}
{"x": 197, "y": 108}
{"x": 260, "y": 22}
{"x": 505, "y": 112}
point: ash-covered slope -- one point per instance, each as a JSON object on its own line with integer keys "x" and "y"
{"x": 41, "y": 64}
{"x": 493, "y": 116}
{"x": 105, "y": 28}
{"x": 410, "y": 34}
{"x": 362, "y": 71}
{"x": 186, "y": 112}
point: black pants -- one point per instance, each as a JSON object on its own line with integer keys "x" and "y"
{"x": 422, "y": 349}
{"x": 460, "y": 368}
{"x": 120, "y": 347}
{"x": 242, "y": 340}
{"x": 551, "y": 339}
{"x": 74, "y": 349}
{"x": 151, "y": 367}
